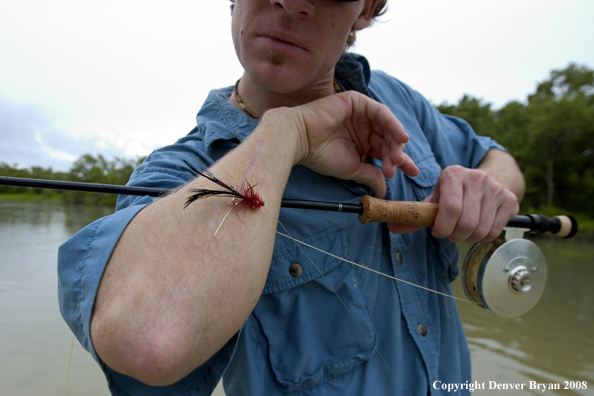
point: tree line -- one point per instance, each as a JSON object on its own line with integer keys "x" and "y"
{"x": 551, "y": 136}
{"x": 87, "y": 168}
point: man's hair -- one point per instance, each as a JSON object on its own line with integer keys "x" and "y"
{"x": 379, "y": 10}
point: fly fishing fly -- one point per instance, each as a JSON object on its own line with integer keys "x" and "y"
{"x": 245, "y": 198}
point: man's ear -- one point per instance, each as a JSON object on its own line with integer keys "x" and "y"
{"x": 364, "y": 19}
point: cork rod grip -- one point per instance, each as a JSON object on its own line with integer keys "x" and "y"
{"x": 402, "y": 212}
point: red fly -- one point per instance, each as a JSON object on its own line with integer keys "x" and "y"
{"x": 245, "y": 198}
{"x": 249, "y": 198}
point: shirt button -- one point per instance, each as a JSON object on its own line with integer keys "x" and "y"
{"x": 422, "y": 329}
{"x": 295, "y": 270}
{"x": 399, "y": 257}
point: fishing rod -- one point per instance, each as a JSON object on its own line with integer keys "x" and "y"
{"x": 369, "y": 209}
{"x": 506, "y": 276}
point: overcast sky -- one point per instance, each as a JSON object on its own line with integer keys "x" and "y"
{"x": 125, "y": 77}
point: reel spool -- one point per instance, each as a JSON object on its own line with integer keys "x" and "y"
{"x": 507, "y": 276}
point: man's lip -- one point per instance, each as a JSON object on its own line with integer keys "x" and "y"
{"x": 283, "y": 42}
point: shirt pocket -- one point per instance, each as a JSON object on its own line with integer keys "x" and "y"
{"x": 429, "y": 171}
{"x": 307, "y": 333}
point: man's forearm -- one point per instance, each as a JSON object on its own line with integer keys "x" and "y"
{"x": 172, "y": 293}
{"x": 502, "y": 167}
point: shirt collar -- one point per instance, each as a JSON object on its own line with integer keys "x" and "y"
{"x": 353, "y": 73}
{"x": 220, "y": 120}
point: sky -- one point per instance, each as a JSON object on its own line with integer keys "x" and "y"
{"x": 122, "y": 78}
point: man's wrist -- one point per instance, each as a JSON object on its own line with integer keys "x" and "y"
{"x": 283, "y": 125}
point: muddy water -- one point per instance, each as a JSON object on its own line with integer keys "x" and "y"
{"x": 553, "y": 343}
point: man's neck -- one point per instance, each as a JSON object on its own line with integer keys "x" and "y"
{"x": 258, "y": 99}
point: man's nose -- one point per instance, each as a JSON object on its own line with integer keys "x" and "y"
{"x": 305, "y": 8}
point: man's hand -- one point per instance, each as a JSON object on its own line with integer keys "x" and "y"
{"x": 473, "y": 205}
{"x": 162, "y": 312}
{"x": 337, "y": 131}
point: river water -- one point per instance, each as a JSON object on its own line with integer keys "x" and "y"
{"x": 553, "y": 343}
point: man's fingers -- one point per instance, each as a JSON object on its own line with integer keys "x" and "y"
{"x": 409, "y": 167}
{"x": 472, "y": 206}
{"x": 384, "y": 121}
{"x": 487, "y": 227}
{"x": 371, "y": 176}
{"x": 451, "y": 202}
{"x": 508, "y": 209}
{"x": 402, "y": 228}
{"x": 479, "y": 208}
{"x": 337, "y": 130}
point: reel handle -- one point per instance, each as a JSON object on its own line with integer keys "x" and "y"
{"x": 423, "y": 214}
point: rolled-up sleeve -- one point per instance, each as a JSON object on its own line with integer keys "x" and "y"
{"x": 83, "y": 259}
{"x": 81, "y": 262}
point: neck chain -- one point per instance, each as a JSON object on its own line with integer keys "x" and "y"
{"x": 247, "y": 111}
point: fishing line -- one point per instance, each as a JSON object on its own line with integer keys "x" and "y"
{"x": 333, "y": 291}
{"x": 375, "y": 271}
{"x": 249, "y": 198}
{"x": 68, "y": 369}
{"x": 219, "y": 227}
{"x": 253, "y": 201}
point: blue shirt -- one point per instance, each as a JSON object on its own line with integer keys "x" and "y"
{"x": 334, "y": 328}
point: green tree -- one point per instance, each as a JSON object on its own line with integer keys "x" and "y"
{"x": 34, "y": 172}
{"x": 90, "y": 169}
{"x": 473, "y": 110}
{"x": 551, "y": 136}
{"x": 561, "y": 136}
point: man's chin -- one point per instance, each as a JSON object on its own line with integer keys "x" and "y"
{"x": 277, "y": 78}
{"x": 276, "y": 58}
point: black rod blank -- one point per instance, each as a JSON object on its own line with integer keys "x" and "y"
{"x": 83, "y": 187}
{"x": 535, "y": 223}
{"x": 157, "y": 192}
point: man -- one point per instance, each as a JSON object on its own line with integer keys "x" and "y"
{"x": 166, "y": 307}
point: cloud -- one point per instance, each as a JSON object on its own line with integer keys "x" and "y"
{"x": 29, "y": 137}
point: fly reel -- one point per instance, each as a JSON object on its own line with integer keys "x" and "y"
{"x": 507, "y": 276}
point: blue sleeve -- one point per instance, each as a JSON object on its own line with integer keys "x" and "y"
{"x": 81, "y": 262}
{"x": 436, "y": 142}
{"x": 452, "y": 140}
{"x": 83, "y": 258}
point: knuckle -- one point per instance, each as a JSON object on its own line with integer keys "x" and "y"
{"x": 481, "y": 232}
{"x": 468, "y": 224}
{"x": 496, "y": 188}
{"x": 452, "y": 208}
{"x": 480, "y": 176}
{"x": 452, "y": 171}
{"x": 516, "y": 210}
{"x": 509, "y": 203}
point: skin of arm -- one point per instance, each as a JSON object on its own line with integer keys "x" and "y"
{"x": 502, "y": 167}
{"x": 475, "y": 204}
{"x": 173, "y": 294}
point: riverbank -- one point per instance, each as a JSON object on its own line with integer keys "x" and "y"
{"x": 30, "y": 197}
{"x": 586, "y": 224}
{"x": 67, "y": 197}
